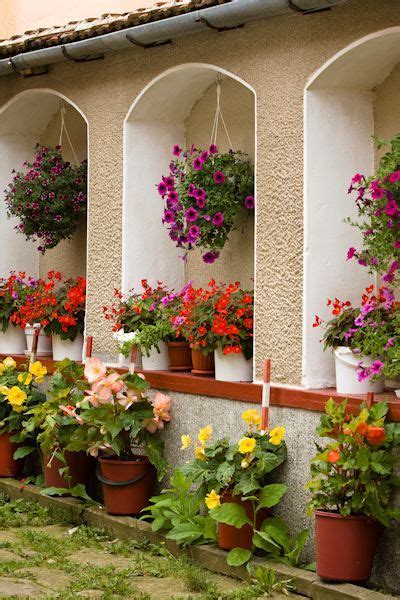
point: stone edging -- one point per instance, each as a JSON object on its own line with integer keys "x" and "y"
{"x": 308, "y": 584}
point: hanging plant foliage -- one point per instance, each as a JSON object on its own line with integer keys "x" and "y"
{"x": 48, "y": 198}
{"x": 204, "y": 195}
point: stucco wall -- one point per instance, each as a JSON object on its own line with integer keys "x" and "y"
{"x": 386, "y": 109}
{"x": 69, "y": 256}
{"x": 276, "y": 57}
{"x": 236, "y": 262}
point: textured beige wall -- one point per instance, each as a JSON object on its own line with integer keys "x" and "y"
{"x": 236, "y": 262}
{"x": 276, "y": 57}
{"x": 387, "y": 108}
{"x": 69, "y": 256}
{"x": 18, "y": 16}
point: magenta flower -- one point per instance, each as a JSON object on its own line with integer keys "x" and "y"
{"x": 201, "y": 202}
{"x": 219, "y": 177}
{"x": 395, "y": 176}
{"x": 363, "y": 372}
{"x": 197, "y": 164}
{"x": 58, "y": 218}
{"x": 169, "y": 216}
{"x": 213, "y": 149}
{"x": 249, "y": 202}
{"x": 376, "y": 367}
{"x": 200, "y": 194}
{"x": 389, "y": 343}
{"x": 194, "y": 232}
{"x": 396, "y": 244}
{"x": 391, "y": 207}
{"x": 357, "y": 178}
{"x": 191, "y": 214}
{"x": 173, "y": 196}
{"x": 204, "y": 156}
{"x": 176, "y": 150}
{"x": 350, "y": 253}
{"x": 359, "y": 321}
{"x": 169, "y": 182}
{"x": 210, "y": 257}
{"x": 218, "y": 219}
{"x": 191, "y": 189}
{"x": 162, "y": 188}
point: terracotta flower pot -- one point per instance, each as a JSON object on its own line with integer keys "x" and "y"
{"x": 127, "y": 484}
{"x": 80, "y": 469}
{"x": 203, "y": 365}
{"x": 233, "y": 537}
{"x": 345, "y": 546}
{"x": 9, "y": 467}
{"x": 180, "y": 357}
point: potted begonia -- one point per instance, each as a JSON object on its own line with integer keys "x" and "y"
{"x": 13, "y": 290}
{"x": 352, "y": 487}
{"x": 204, "y": 194}
{"x": 118, "y": 423}
{"x": 48, "y": 199}
{"x": 365, "y": 341}
{"x": 18, "y": 394}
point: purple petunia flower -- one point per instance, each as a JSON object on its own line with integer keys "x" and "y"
{"x": 191, "y": 189}
{"x": 169, "y": 182}
{"x": 210, "y": 257}
{"x": 206, "y": 217}
{"x": 200, "y": 194}
{"x": 169, "y": 216}
{"x": 194, "y": 232}
{"x": 162, "y": 188}
{"x": 58, "y": 218}
{"x": 218, "y": 219}
{"x": 191, "y": 214}
{"x": 201, "y": 202}
{"x": 176, "y": 150}
{"x": 213, "y": 149}
{"x": 197, "y": 164}
{"x": 219, "y": 177}
{"x": 249, "y": 202}
{"x": 350, "y": 253}
{"x": 391, "y": 207}
{"x": 173, "y": 196}
{"x": 204, "y": 156}
{"x": 376, "y": 367}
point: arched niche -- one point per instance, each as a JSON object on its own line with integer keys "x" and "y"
{"x": 178, "y": 107}
{"x": 30, "y": 117}
{"x": 353, "y": 96}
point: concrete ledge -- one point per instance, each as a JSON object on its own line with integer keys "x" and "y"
{"x": 307, "y": 583}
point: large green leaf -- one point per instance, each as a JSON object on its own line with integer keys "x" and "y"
{"x": 271, "y": 494}
{"x": 23, "y": 451}
{"x": 238, "y": 556}
{"x": 265, "y": 542}
{"x": 230, "y": 514}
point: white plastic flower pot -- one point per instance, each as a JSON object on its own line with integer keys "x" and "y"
{"x": 44, "y": 342}
{"x": 157, "y": 361}
{"x": 232, "y": 367}
{"x": 67, "y": 348}
{"x": 346, "y": 363}
{"x": 13, "y": 341}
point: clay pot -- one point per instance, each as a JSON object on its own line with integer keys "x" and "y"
{"x": 203, "y": 365}
{"x": 232, "y": 537}
{"x": 180, "y": 357}
{"x": 9, "y": 467}
{"x": 127, "y": 484}
{"x": 345, "y": 546}
{"x": 80, "y": 469}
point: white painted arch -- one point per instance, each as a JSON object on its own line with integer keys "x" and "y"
{"x": 338, "y": 125}
{"x": 154, "y": 123}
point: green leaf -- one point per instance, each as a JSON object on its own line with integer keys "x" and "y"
{"x": 79, "y": 491}
{"x": 265, "y": 542}
{"x": 230, "y": 514}
{"x": 238, "y": 556}
{"x": 23, "y": 451}
{"x": 54, "y": 491}
{"x": 271, "y": 494}
{"x": 158, "y": 523}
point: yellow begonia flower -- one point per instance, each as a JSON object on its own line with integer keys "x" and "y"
{"x": 246, "y": 445}
{"x": 25, "y": 378}
{"x": 276, "y": 435}
{"x": 16, "y": 397}
{"x": 38, "y": 370}
{"x": 4, "y": 390}
{"x": 9, "y": 363}
{"x": 212, "y": 500}
{"x": 199, "y": 453}
{"x": 2, "y": 368}
{"x": 186, "y": 441}
{"x": 251, "y": 416}
{"x": 205, "y": 434}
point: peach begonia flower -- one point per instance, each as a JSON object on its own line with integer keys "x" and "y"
{"x": 104, "y": 396}
{"x": 152, "y": 425}
{"x": 94, "y": 369}
{"x": 161, "y": 406}
{"x": 126, "y": 400}
{"x": 111, "y": 382}
{"x": 70, "y": 411}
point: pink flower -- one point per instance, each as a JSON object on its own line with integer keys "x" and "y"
{"x": 197, "y": 164}
{"x": 395, "y": 176}
{"x": 350, "y": 253}
{"x": 94, "y": 369}
{"x": 376, "y": 367}
{"x": 391, "y": 207}
{"x": 219, "y": 177}
{"x": 357, "y": 178}
{"x": 162, "y": 406}
{"x": 152, "y": 425}
{"x": 128, "y": 399}
{"x": 176, "y": 150}
{"x": 213, "y": 149}
{"x": 112, "y": 382}
{"x": 70, "y": 411}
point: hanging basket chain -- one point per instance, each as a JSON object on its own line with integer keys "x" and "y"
{"x": 218, "y": 116}
{"x": 64, "y": 129}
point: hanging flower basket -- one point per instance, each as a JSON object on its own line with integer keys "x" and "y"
{"x": 206, "y": 193}
{"x": 48, "y": 199}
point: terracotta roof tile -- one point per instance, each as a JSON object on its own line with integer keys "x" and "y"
{"x": 91, "y": 27}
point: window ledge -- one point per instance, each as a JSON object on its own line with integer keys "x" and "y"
{"x": 186, "y": 383}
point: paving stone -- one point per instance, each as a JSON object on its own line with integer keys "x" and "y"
{"x": 9, "y": 535}
{"x": 57, "y": 531}
{"x": 20, "y": 588}
{"x": 97, "y": 558}
{"x": 90, "y": 594}
{"x": 53, "y": 579}
{"x": 7, "y": 555}
{"x": 161, "y": 588}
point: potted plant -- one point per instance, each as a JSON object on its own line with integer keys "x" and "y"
{"x": 13, "y": 290}
{"x": 54, "y": 422}
{"x": 48, "y": 199}
{"x": 204, "y": 194}
{"x": 378, "y": 204}
{"x": 235, "y": 473}
{"x": 18, "y": 393}
{"x": 180, "y": 357}
{"x": 352, "y": 488}
{"x": 120, "y": 425}
{"x": 125, "y": 342}
{"x": 365, "y": 341}
{"x": 193, "y": 322}
{"x": 136, "y": 310}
